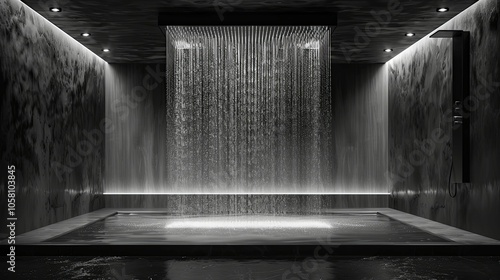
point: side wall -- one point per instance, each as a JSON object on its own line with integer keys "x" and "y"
{"x": 360, "y": 127}
{"x": 52, "y": 100}
{"x": 135, "y": 144}
{"x": 419, "y": 96}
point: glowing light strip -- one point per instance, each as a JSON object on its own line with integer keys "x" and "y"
{"x": 50, "y": 23}
{"x": 135, "y": 193}
{"x": 247, "y": 224}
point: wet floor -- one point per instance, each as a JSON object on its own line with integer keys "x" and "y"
{"x": 367, "y": 268}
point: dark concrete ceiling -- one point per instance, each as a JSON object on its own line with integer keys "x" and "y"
{"x": 130, "y": 28}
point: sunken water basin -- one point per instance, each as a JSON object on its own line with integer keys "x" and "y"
{"x": 132, "y": 228}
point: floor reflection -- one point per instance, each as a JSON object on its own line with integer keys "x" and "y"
{"x": 368, "y": 268}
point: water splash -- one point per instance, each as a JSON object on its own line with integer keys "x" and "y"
{"x": 249, "y": 109}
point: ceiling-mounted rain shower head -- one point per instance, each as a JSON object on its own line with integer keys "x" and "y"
{"x": 253, "y": 18}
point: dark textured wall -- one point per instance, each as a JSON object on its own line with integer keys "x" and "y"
{"x": 419, "y": 95}
{"x": 360, "y": 127}
{"x": 52, "y": 101}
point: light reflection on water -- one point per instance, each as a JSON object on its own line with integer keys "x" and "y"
{"x": 249, "y": 222}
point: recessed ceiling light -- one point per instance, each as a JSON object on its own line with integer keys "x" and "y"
{"x": 410, "y": 34}
{"x": 442, "y": 10}
{"x": 55, "y": 9}
{"x": 105, "y": 50}
{"x": 388, "y": 50}
{"x": 85, "y": 34}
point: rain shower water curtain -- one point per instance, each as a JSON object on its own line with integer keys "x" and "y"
{"x": 249, "y": 110}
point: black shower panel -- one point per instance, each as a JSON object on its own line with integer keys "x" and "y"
{"x": 460, "y": 102}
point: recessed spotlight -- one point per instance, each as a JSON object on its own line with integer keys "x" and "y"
{"x": 55, "y": 9}
{"x": 85, "y": 34}
{"x": 388, "y": 50}
{"x": 410, "y": 34}
{"x": 442, "y": 10}
{"x": 105, "y": 50}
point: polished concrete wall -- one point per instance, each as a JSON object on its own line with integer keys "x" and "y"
{"x": 52, "y": 103}
{"x": 135, "y": 140}
{"x": 360, "y": 127}
{"x": 419, "y": 96}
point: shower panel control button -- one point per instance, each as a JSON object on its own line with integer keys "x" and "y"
{"x": 458, "y": 112}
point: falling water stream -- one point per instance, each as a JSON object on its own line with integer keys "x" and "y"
{"x": 249, "y": 109}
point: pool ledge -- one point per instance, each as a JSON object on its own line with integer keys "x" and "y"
{"x": 458, "y": 236}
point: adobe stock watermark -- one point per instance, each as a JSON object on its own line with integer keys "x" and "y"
{"x": 306, "y": 269}
{"x": 119, "y": 273}
{"x": 223, "y": 6}
{"x": 372, "y": 29}
{"x": 427, "y": 147}
{"x": 93, "y": 139}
